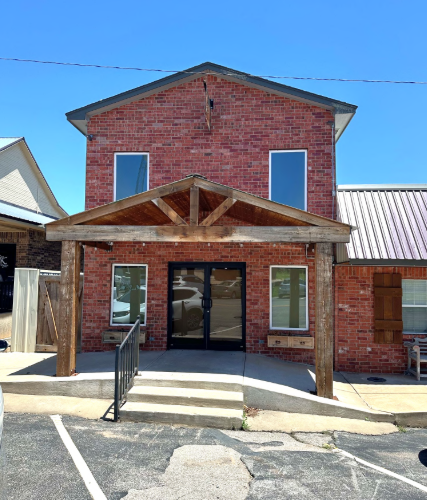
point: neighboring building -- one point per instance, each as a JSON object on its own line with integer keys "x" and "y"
{"x": 26, "y": 205}
{"x": 245, "y": 134}
{"x": 391, "y": 238}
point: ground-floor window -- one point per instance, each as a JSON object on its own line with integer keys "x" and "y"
{"x": 128, "y": 294}
{"x": 414, "y": 310}
{"x": 288, "y": 298}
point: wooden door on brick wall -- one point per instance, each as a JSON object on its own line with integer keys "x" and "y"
{"x": 388, "y": 308}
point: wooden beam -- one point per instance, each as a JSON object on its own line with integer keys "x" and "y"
{"x": 324, "y": 320}
{"x": 238, "y": 234}
{"x": 194, "y": 206}
{"x": 218, "y": 212}
{"x": 250, "y": 199}
{"x": 169, "y": 212}
{"x": 99, "y": 244}
{"x": 68, "y": 314}
{"x": 132, "y": 201}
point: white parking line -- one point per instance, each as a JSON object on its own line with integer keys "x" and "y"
{"x": 381, "y": 469}
{"x": 92, "y": 486}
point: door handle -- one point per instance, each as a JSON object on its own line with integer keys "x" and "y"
{"x": 204, "y": 303}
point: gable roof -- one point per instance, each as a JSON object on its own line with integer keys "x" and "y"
{"x": 8, "y": 142}
{"x": 343, "y": 111}
{"x": 391, "y": 221}
{"x": 142, "y": 209}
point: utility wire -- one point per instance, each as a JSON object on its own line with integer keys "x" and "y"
{"x": 212, "y": 73}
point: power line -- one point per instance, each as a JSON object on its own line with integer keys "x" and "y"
{"x": 215, "y": 74}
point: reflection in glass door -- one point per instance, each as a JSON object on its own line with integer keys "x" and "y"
{"x": 187, "y": 321}
{"x": 206, "y": 306}
{"x": 226, "y": 314}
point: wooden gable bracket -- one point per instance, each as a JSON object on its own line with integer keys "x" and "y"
{"x": 218, "y": 212}
{"x": 108, "y": 247}
{"x": 169, "y": 212}
{"x": 194, "y": 205}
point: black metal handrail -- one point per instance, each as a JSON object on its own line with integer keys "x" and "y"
{"x": 127, "y": 362}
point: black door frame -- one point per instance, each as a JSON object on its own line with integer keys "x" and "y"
{"x": 206, "y": 343}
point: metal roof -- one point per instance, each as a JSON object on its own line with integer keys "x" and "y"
{"x": 343, "y": 111}
{"x": 391, "y": 222}
{"x": 23, "y": 214}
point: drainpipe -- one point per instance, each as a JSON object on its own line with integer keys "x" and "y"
{"x": 334, "y": 187}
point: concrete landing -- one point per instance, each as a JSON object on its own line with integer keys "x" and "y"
{"x": 267, "y": 383}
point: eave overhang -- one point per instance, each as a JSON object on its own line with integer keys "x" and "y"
{"x": 342, "y": 111}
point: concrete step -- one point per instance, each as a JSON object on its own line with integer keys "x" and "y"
{"x": 208, "y": 381}
{"x": 220, "y": 418}
{"x": 186, "y": 397}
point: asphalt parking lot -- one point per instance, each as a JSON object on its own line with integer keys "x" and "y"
{"x": 150, "y": 462}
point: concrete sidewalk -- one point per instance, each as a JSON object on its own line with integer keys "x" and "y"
{"x": 270, "y": 384}
{"x": 397, "y": 394}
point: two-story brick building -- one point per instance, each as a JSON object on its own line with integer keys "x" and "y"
{"x": 211, "y": 212}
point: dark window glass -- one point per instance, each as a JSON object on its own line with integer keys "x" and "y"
{"x": 131, "y": 174}
{"x": 287, "y": 178}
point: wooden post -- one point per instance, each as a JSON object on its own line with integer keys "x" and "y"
{"x": 68, "y": 315}
{"x": 324, "y": 321}
{"x": 194, "y": 206}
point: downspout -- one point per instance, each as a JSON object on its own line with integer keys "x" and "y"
{"x": 334, "y": 187}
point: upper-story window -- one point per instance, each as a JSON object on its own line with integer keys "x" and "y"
{"x": 288, "y": 177}
{"x": 130, "y": 174}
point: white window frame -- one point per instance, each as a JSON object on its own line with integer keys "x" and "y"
{"x": 412, "y": 306}
{"x": 305, "y": 173}
{"x": 306, "y": 299}
{"x": 116, "y": 264}
{"x": 130, "y": 153}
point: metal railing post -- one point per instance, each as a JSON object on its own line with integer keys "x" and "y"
{"x": 126, "y": 366}
{"x": 116, "y": 385}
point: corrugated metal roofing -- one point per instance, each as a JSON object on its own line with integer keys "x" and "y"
{"x": 391, "y": 221}
{"x": 22, "y": 214}
{"x": 7, "y": 141}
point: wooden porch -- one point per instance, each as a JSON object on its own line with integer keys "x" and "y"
{"x": 197, "y": 210}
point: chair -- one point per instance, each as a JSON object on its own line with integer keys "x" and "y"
{"x": 417, "y": 351}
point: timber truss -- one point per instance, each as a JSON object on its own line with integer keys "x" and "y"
{"x": 197, "y": 210}
{"x": 190, "y": 210}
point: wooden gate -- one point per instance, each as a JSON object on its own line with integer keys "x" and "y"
{"x": 48, "y": 313}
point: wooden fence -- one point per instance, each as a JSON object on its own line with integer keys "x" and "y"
{"x": 48, "y": 313}
{"x": 38, "y": 292}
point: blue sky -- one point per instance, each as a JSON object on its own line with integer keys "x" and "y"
{"x": 365, "y": 39}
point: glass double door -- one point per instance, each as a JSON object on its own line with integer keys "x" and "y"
{"x": 206, "y": 306}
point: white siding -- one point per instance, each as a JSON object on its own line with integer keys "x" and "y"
{"x": 20, "y": 184}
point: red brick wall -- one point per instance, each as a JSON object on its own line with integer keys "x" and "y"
{"x": 258, "y": 258}
{"x": 170, "y": 126}
{"x": 355, "y": 350}
{"x": 247, "y": 124}
{"x": 32, "y": 249}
